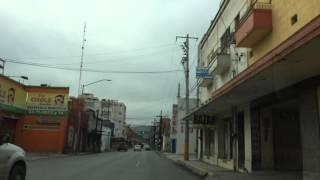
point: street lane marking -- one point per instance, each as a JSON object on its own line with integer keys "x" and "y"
{"x": 138, "y": 163}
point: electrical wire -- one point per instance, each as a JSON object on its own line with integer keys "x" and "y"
{"x": 93, "y": 54}
{"x": 90, "y": 70}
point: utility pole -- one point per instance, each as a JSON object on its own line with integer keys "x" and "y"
{"x": 82, "y": 54}
{"x": 185, "y": 63}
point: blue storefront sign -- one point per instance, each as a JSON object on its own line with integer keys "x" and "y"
{"x": 203, "y": 72}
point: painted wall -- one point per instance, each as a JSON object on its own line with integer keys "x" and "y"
{"x": 12, "y": 95}
{"x": 181, "y": 128}
{"x": 33, "y": 136}
{"x": 43, "y": 128}
{"x": 238, "y": 55}
{"x": 282, "y": 11}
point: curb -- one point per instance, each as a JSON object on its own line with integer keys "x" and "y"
{"x": 197, "y": 171}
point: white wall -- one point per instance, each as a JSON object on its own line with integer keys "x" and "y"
{"x": 180, "y": 136}
{"x": 238, "y": 55}
{"x": 105, "y": 139}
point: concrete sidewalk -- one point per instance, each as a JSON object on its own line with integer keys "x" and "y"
{"x": 197, "y": 167}
{"x": 212, "y": 172}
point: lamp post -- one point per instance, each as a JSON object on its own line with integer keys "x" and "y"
{"x": 21, "y": 77}
{"x": 85, "y": 85}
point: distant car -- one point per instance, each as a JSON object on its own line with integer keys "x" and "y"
{"x": 147, "y": 147}
{"x": 137, "y": 147}
{"x": 123, "y": 147}
{"x": 13, "y": 164}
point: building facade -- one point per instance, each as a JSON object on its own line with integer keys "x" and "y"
{"x": 34, "y": 116}
{"x": 260, "y": 98}
{"x": 178, "y": 130}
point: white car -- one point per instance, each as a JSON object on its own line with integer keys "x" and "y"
{"x": 137, "y": 147}
{"x": 12, "y": 161}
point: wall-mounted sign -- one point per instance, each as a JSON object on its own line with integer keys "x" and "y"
{"x": 203, "y": 72}
{"x": 47, "y": 103}
{"x": 49, "y": 120}
{"x": 12, "y": 96}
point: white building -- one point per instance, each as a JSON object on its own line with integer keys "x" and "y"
{"x": 177, "y": 134}
{"x": 114, "y": 111}
{"x": 224, "y": 61}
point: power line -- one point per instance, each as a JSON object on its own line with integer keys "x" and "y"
{"x": 91, "y": 70}
{"x": 93, "y": 54}
{"x": 115, "y": 60}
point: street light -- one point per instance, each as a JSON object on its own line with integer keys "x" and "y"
{"x": 85, "y": 85}
{"x": 22, "y": 77}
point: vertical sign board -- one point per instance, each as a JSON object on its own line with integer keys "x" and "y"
{"x": 174, "y": 118}
{"x": 44, "y": 103}
{"x": 12, "y": 96}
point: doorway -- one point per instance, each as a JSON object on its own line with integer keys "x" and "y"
{"x": 287, "y": 140}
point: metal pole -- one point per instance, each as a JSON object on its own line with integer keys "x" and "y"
{"x": 82, "y": 89}
{"x": 82, "y": 54}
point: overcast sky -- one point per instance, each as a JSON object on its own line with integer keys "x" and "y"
{"x": 122, "y": 35}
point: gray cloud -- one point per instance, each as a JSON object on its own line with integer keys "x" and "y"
{"x": 127, "y": 35}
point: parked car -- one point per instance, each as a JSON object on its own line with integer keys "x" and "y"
{"x": 137, "y": 147}
{"x": 147, "y": 147}
{"x": 13, "y": 165}
{"x": 123, "y": 147}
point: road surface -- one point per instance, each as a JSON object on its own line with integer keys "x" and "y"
{"x": 145, "y": 165}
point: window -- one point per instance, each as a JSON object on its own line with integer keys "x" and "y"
{"x": 237, "y": 21}
{"x": 226, "y": 40}
{"x": 294, "y": 19}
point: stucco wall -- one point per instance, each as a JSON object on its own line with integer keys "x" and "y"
{"x": 238, "y": 55}
{"x": 282, "y": 11}
{"x": 180, "y": 135}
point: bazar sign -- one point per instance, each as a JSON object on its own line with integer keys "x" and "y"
{"x": 12, "y": 96}
{"x": 47, "y": 103}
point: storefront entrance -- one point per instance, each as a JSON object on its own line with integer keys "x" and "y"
{"x": 8, "y": 126}
{"x": 277, "y": 137}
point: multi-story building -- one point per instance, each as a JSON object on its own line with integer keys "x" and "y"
{"x": 260, "y": 97}
{"x": 115, "y": 111}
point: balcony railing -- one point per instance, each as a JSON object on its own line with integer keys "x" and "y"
{"x": 254, "y": 25}
{"x": 219, "y": 61}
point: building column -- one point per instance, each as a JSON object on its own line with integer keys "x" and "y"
{"x": 247, "y": 138}
{"x": 235, "y": 138}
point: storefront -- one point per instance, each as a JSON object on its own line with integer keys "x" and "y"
{"x": 12, "y": 105}
{"x": 43, "y": 127}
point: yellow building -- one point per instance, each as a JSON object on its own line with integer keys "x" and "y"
{"x": 267, "y": 116}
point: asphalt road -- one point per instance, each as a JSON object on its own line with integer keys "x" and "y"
{"x": 145, "y": 165}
